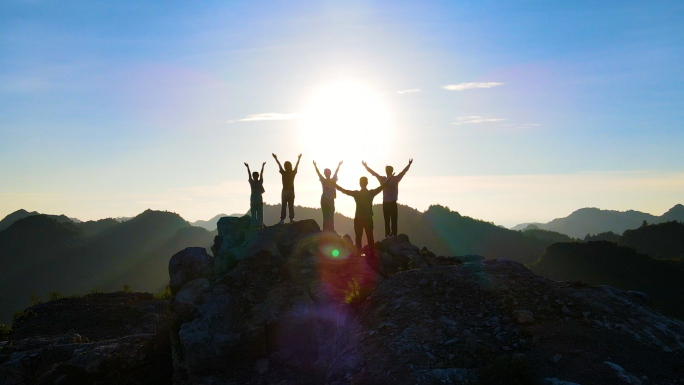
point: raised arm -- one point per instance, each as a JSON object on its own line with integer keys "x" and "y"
{"x": 337, "y": 169}
{"x": 317, "y": 172}
{"x": 345, "y": 191}
{"x": 249, "y": 173}
{"x": 382, "y": 186}
{"x": 297, "y": 165}
{"x": 375, "y": 174}
{"x": 403, "y": 172}
{"x": 261, "y": 176}
{"x": 277, "y": 161}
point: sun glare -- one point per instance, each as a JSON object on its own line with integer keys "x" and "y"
{"x": 345, "y": 121}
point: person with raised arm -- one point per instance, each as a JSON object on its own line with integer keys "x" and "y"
{"x": 328, "y": 196}
{"x": 288, "y": 194}
{"x": 389, "y": 197}
{"x": 363, "y": 218}
{"x": 256, "y": 201}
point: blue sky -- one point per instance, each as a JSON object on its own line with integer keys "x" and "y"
{"x": 107, "y": 109}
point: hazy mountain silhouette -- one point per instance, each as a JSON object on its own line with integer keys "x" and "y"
{"x": 606, "y": 236}
{"x": 21, "y": 213}
{"x": 663, "y": 240}
{"x": 605, "y": 263}
{"x": 211, "y": 223}
{"x": 40, "y": 255}
{"x": 91, "y": 228}
{"x": 593, "y": 221}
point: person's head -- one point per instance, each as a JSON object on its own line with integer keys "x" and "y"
{"x": 255, "y": 175}
{"x": 388, "y": 170}
{"x": 288, "y": 166}
{"x": 327, "y": 173}
{"x": 363, "y": 182}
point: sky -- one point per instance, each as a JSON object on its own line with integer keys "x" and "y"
{"x": 513, "y": 111}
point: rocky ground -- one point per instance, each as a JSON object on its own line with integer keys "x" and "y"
{"x": 292, "y": 305}
{"x": 106, "y": 338}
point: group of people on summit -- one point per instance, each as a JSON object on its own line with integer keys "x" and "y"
{"x": 363, "y": 218}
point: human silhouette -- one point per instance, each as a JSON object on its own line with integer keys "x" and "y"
{"x": 288, "y": 194}
{"x": 328, "y": 196}
{"x": 389, "y": 197}
{"x": 256, "y": 201}
{"x": 363, "y": 218}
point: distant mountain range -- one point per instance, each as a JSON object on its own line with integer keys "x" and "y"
{"x": 44, "y": 253}
{"x": 594, "y": 221}
{"x": 40, "y": 254}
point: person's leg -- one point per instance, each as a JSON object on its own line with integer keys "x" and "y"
{"x": 386, "y": 215}
{"x": 368, "y": 226}
{"x": 253, "y": 212}
{"x": 358, "y": 231}
{"x": 260, "y": 215}
{"x": 331, "y": 215}
{"x": 325, "y": 208}
{"x": 291, "y": 203}
{"x": 283, "y": 204}
{"x": 394, "y": 213}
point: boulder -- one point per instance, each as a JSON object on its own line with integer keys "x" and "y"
{"x": 187, "y": 265}
{"x": 397, "y": 254}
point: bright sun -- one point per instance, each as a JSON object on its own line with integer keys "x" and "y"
{"x": 345, "y": 121}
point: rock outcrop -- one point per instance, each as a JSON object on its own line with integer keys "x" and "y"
{"x": 290, "y": 304}
{"x": 112, "y": 338}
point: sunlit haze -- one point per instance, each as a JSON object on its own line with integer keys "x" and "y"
{"x": 513, "y": 112}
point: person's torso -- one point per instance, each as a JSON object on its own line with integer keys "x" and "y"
{"x": 391, "y": 191}
{"x": 329, "y": 191}
{"x": 288, "y": 179}
{"x": 257, "y": 187}
{"x": 364, "y": 204}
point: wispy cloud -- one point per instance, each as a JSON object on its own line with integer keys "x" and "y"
{"x": 413, "y": 90}
{"x": 269, "y": 116}
{"x": 469, "y": 86}
{"x": 476, "y": 119}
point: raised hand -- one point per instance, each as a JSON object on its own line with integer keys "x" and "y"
{"x": 315, "y": 163}
{"x": 275, "y": 156}
{"x": 340, "y": 163}
{"x": 246, "y": 165}
{"x": 263, "y": 164}
{"x": 363, "y": 162}
{"x": 300, "y": 155}
{"x": 410, "y": 160}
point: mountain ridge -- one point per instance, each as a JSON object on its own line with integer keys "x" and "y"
{"x": 592, "y": 220}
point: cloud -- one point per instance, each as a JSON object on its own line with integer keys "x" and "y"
{"x": 408, "y": 91}
{"x": 468, "y": 86}
{"x": 267, "y": 116}
{"x": 476, "y": 119}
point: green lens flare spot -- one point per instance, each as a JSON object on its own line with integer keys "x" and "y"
{"x": 335, "y": 253}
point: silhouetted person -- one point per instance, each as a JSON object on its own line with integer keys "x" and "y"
{"x": 363, "y": 218}
{"x": 256, "y": 201}
{"x": 328, "y": 196}
{"x": 288, "y": 194}
{"x": 389, "y": 197}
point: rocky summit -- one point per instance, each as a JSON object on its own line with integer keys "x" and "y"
{"x": 290, "y": 304}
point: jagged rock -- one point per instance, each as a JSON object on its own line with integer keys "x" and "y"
{"x": 235, "y": 240}
{"x": 397, "y": 254}
{"x": 187, "y": 265}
